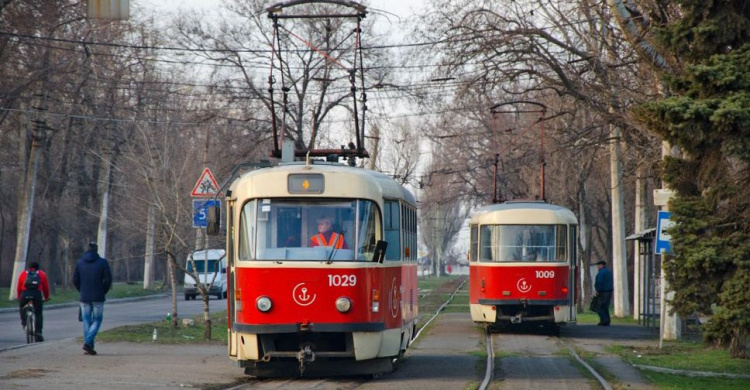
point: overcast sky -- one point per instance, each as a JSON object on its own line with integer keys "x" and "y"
{"x": 391, "y": 18}
{"x": 379, "y": 9}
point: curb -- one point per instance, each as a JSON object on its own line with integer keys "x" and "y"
{"x": 20, "y": 346}
{"x": 75, "y": 303}
{"x": 691, "y": 373}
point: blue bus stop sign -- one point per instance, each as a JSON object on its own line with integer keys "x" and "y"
{"x": 663, "y": 240}
{"x": 200, "y": 211}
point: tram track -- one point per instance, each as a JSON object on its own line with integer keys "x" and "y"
{"x": 490, "y": 364}
{"x": 439, "y": 309}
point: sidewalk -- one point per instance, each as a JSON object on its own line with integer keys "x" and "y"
{"x": 62, "y": 365}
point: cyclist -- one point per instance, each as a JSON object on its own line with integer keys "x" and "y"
{"x": 33, "y": 286}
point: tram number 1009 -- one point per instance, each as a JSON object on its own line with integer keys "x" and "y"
{"x": 342, "y": 280}
{"x": 545, "y": 274}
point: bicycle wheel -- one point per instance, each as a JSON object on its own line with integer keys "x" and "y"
{"x": 30, "y": 326}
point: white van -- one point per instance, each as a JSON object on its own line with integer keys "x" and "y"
{"x": 207, "y": 263}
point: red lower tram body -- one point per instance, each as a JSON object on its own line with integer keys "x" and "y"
{"x": 515, "y": 293}
{"x": 348, "y": 315}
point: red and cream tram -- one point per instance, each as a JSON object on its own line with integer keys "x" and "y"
{"x": 522, "y": 265}
{"x": 313, "y": 284}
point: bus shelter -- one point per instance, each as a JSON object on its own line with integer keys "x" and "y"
{"x": 646, "y": 278}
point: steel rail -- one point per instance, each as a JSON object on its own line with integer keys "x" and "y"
{"x": 439, "y": 309}
{"x": 490, "y": 360}
{"x": 602, "y": 381}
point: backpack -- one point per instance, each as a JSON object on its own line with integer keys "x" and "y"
{"x": 32, "y": 280}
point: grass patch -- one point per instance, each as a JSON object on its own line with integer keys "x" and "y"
{"x": 119, "y": 290}
{"x": 459, "y": 304}
{"x": 433, "y": 282}
{"x": 442, "y": 290}
{"x": 166, "y": 334}
{"x": 670, "y": 382}
{"x": 683, "y": 355}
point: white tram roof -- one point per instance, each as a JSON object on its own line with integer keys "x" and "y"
{"x": 341, "y": 181}
{"x": 523, "y": 213}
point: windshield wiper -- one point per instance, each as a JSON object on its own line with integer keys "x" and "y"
{"x": 333, "y": 250}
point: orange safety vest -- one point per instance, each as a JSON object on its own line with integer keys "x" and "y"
{"x": 336, "y": 238}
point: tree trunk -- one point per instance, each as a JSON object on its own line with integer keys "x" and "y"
{"x": 737, "y": 344}
{"x": 585, "y": 256}
{"x": 104, "y": 207}
{"x": 171, "y": 267}
{"x": 375, "y": 136}
{"x": 148, "y": 266}
{"x": 206, "y": 316}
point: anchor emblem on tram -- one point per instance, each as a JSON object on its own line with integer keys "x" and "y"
{"x": 301, "y": 295}
{"x": 523, "y": 286}
{"x": 395, "y": 301}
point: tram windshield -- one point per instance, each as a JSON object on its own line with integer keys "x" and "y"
{"x": 523, "y": 243}
{"x": 302, "y": 229}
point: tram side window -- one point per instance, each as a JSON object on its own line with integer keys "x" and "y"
{"x": 561, "y": 238}
{"x": 474, "y": 242}
{"x": 409, "y": 230}
{"x": 247, "y": 231}
{"x": 573, "y": 245}
{"x": 392, "y": 230}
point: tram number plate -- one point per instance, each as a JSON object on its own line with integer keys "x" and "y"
{"x": 342, "y": 280}
{"x": 545, "y": 274}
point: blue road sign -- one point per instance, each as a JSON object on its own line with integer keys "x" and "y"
{"x": 663, "y": 240}
{"x": 200, "y": 211}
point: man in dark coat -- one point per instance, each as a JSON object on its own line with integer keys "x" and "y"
{"x": 93, "y": 279}
{"x": 604, "y": 285}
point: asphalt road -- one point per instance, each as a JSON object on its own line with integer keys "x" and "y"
{"x": 62, "y": 322}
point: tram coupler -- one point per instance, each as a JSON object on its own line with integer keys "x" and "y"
{"x": 305, "y": 355}
{"x": 516, "y": 319}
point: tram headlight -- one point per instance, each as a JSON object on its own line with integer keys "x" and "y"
{"x": 263, "y": 304}
{"x": 343, "y": 304}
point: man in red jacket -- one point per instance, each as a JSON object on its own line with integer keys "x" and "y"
{"x": 33, "y": 286}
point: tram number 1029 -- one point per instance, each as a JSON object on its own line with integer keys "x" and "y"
{"x": 342, "y": 280}
{"x": 545, "y": 274}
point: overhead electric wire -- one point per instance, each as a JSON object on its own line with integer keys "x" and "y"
{"x": 200, "y": 50}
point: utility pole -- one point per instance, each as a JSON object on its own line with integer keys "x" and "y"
{"x": 640, "y": 225}
{"x": 621, "y": 294}
{"x": 669, "y": 322}
{"x": 29, "y": 188}
{"x": 101, "y": 237}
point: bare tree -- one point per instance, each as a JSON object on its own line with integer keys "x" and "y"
{"x": 313, "y": 67}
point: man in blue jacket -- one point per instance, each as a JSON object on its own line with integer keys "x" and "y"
{"x": 92, "y": 279}
{"x": 604, "y": 285}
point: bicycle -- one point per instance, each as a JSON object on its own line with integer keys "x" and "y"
{"x": 30, "y": 315}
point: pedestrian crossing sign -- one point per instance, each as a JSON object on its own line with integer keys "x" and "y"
{"x": 206, "y": 186}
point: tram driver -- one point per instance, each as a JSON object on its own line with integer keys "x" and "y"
{"x": 326, "y": 236}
